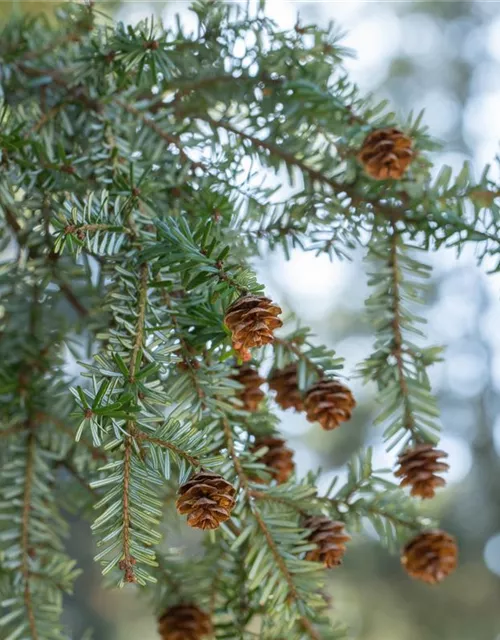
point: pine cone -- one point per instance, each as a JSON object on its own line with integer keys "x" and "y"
{"x": 278, "y": 459}
{"x": 251, "y": 395}
{"x": 329, "y": 402}
{"x": 431, "y": 556}
{"x": 208, "y": 500}
{"x": 184, "y": 622}
{"x": 284, "y": 382}
{"x": 252, "y": 321}
{"x": 386, "y": 153}
{"x": 329, "y": 537}
{"x": 418, "y": 467}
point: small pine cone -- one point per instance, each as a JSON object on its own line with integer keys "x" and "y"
{"x": 386, "y": 153}
{"x": 329, "y": 402}
{"x": 278, "y": 459}
{"x": 184, "y": 622}
{"x": 252, "y": 321}
{"x": 251, "y": 395}
{"x": 284, "y": 382}
{"x": 208, "y": 500}
{"x": 431, "y": 556}
{"x": 418, "y": 468}
{"x": 330, "y": 539}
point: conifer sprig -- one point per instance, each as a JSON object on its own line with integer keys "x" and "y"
{"x": 398, "y": 364}
{"x": 141, "y": 171}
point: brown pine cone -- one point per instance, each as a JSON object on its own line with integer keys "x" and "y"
{"x": 329, "y": 402}
{"x": 184, "y": 622}
{"x": 418, "y": 468}
{"x": 386, "y": 153}
{"x": 251, "y": 395}
{"x": 252, "y": 321}
{"x": 330, "y": 539}
{"x": 431, "y": 556}
{"x": 278, "y": 459}
{"x": 284, "y": 382}
{"x": 208, "y": 500}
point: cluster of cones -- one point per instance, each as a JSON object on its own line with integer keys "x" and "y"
{"x": 432, "y": 555}
{"x": 252, "y": 320}
{"x": 208, "y": 499}
{"x": 327, "y": 401}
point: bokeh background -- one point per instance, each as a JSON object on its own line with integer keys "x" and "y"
{"x": 444, "y": 57}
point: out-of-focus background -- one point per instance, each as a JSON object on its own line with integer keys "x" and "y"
{"x": 443, "y": 56}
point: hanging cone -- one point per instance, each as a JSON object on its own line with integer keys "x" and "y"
{"x": 278, "y": 459}
{"x": 330, "y": 403}
{"x": 251, "y": 395}
{"x": 418, "y": 467}
{"x": 207, "y": 499}
{"x": 431, "y": 556}
{"x": 184, "y": 622}
{"x": 252, "y": 321}
{"x": 285, "y": 383}
{"x": 329, "y": 537}
{"x": 386, "y": 153}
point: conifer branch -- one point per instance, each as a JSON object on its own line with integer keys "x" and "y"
{"x": 164, "y": 135}
{"x": 105, "y": 166}
{"x": 128, "y": 561}
{"x": 280, "y": 562}
{"x": 63, "y": 286}
{"x": 262, "y": 495}
{"x": 25, "y": 542}
{"x": 398, "y": 365}
{"x": 397, "y": 346}
{"x": 140, "y": 435}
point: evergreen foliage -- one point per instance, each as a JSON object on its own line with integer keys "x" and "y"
{"x": 138, "y": 179}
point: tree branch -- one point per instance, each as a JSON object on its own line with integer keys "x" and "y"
{"x": 140, "y": 435}
{"x": 128, "y": 561}
{"x": 314, "y": 175}
{"x": 25, "y": 525}
{"x": 280, "y": 562}
{"x": 397, "y": 347}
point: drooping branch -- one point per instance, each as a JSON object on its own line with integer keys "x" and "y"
{"x": 397, "y": 345}
{"x": 128, "y": 561}
{"x": 25, "y": 534}
{"x": 293, "y": 595}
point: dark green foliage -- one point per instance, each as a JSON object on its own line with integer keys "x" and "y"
{"x": 140, "y": 171}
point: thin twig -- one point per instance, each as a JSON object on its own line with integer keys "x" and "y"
{"x": 25, "y": 524}
{"x": 262, "y": 495}
{"x": 167, "y": 300}
{"x": 48, "y": 115}
{"x": 294, "y": 348}
{"x": 397, "y": 346}
{"x": 10, "y": 430}
{"x": 128, "y": 561}
{"x": 63, "y": 286}
{"x": 74, "y": 228}
{"x": 139, "y": 336}
{"x": 314, "y": 174}
{"x": 164, "y": 135}
{"x": 280, "y": 562}
{"x": 140, "y": 435}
